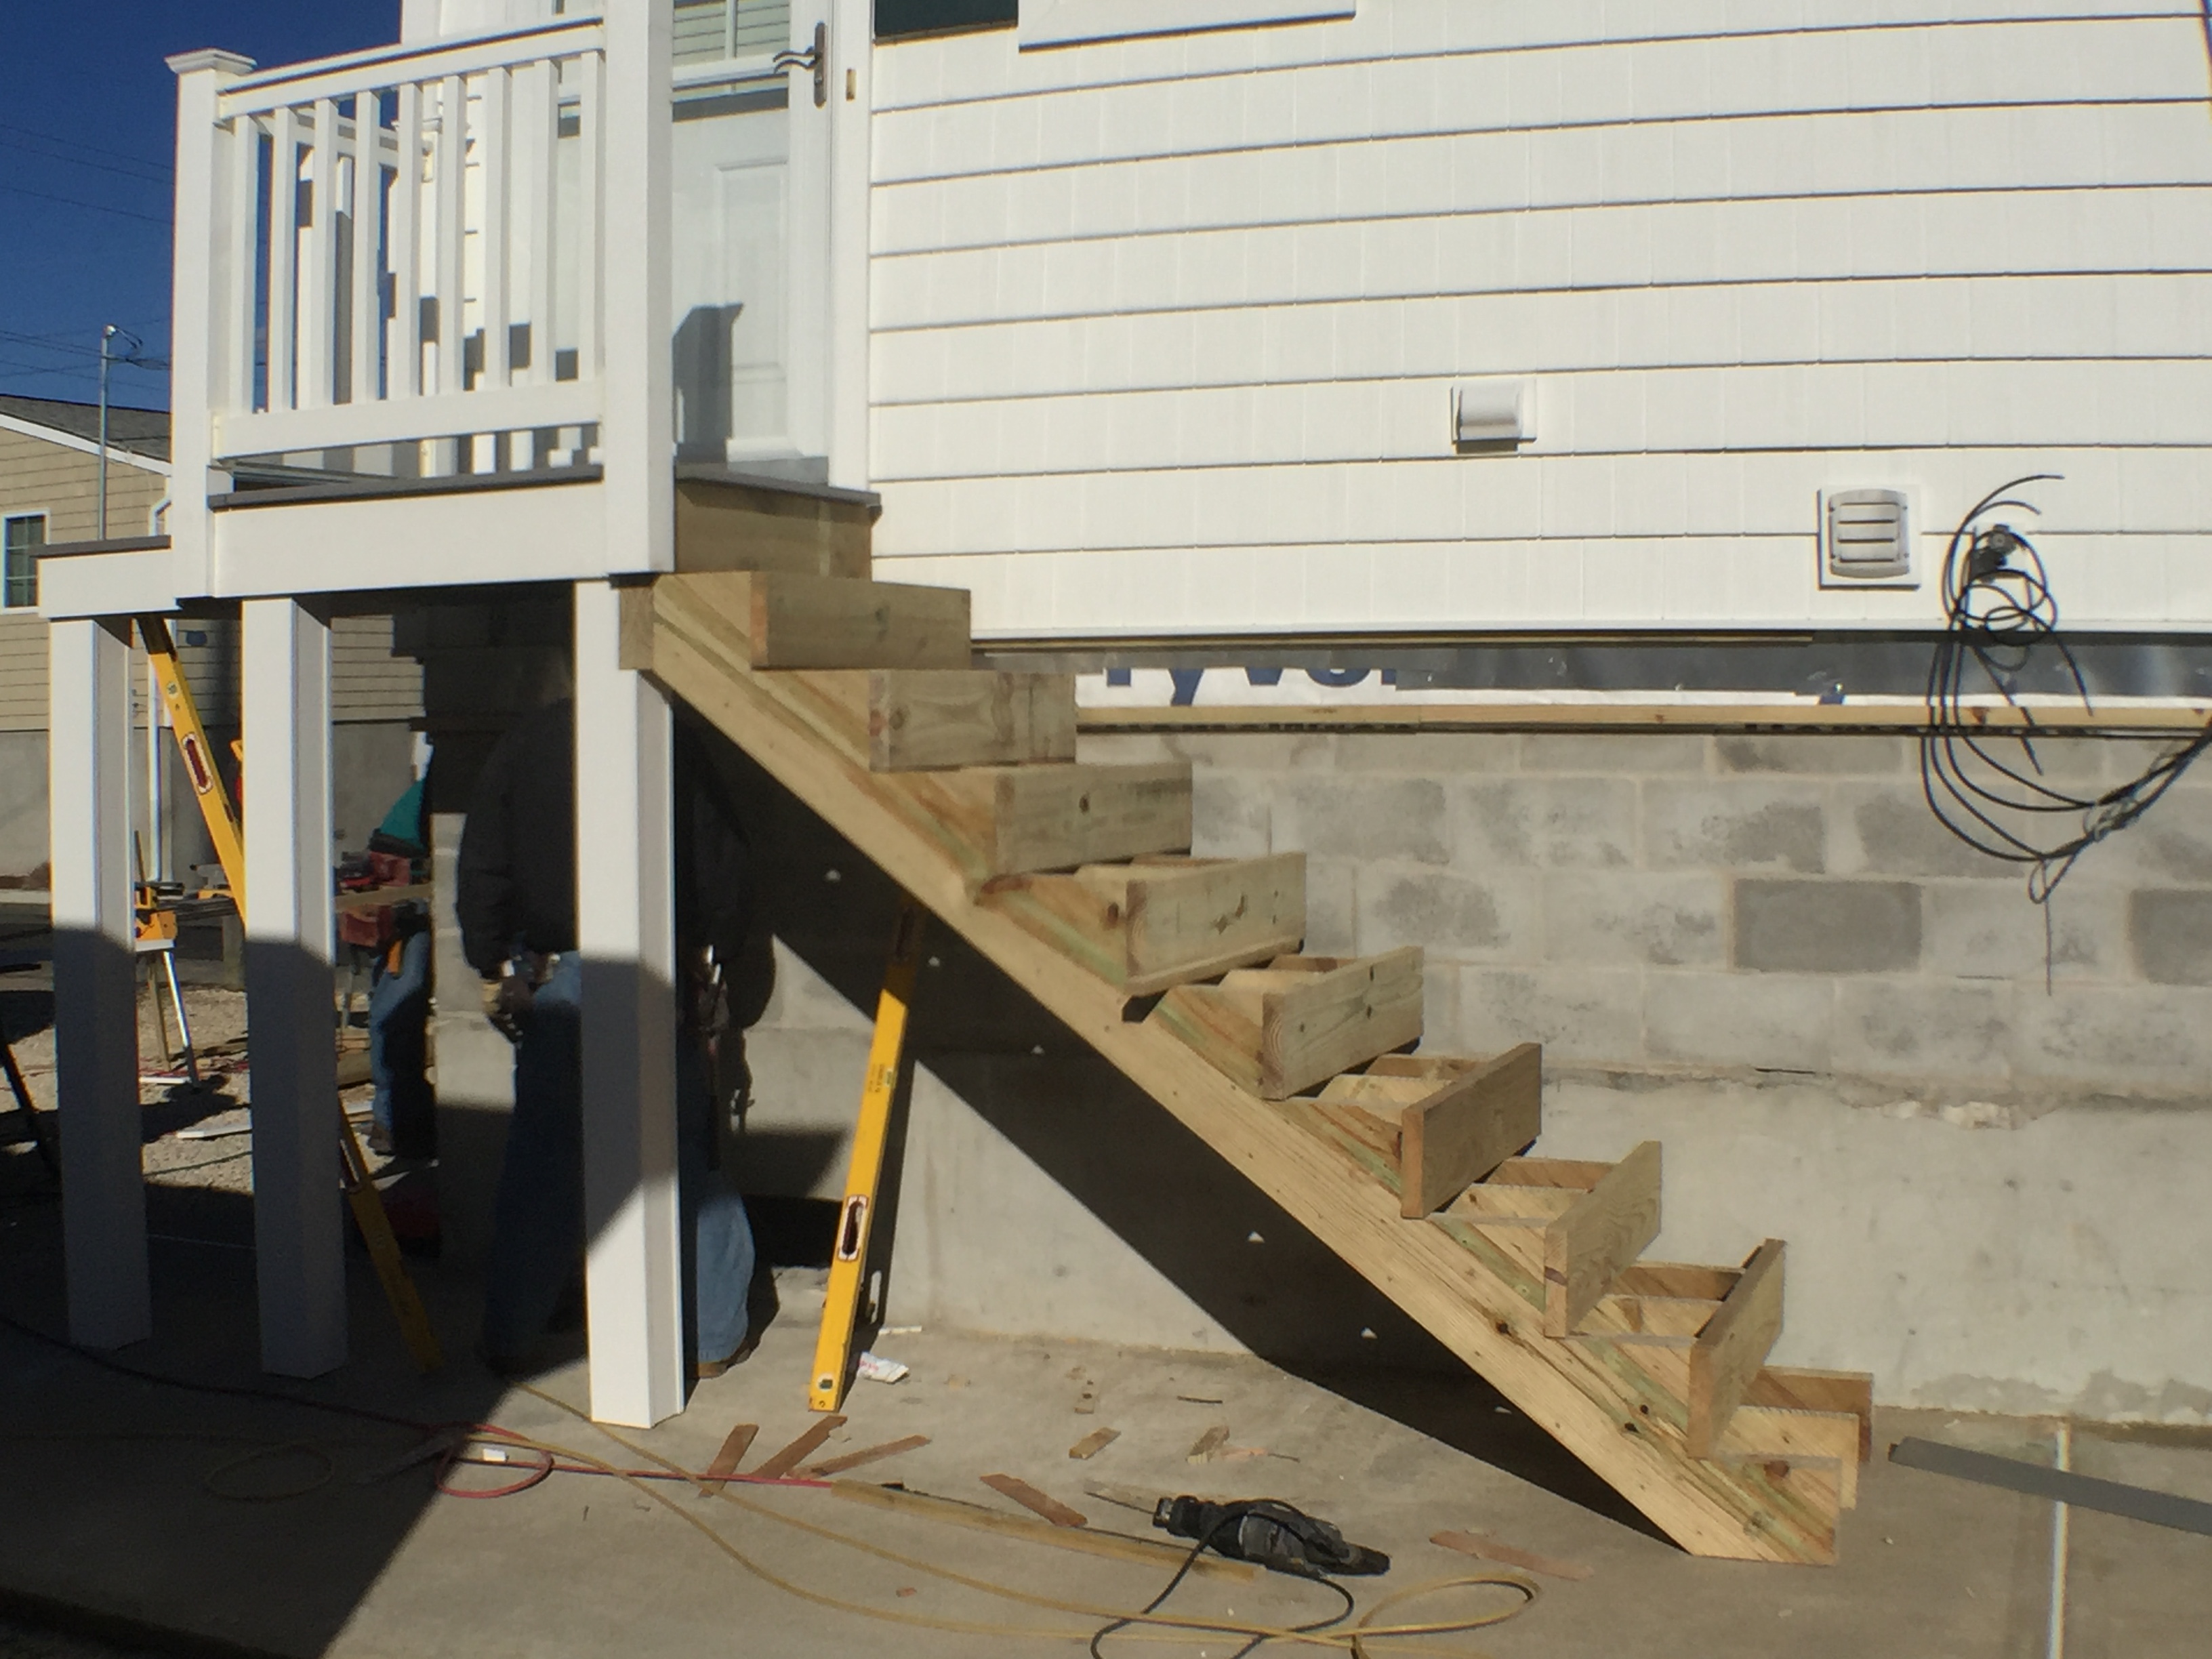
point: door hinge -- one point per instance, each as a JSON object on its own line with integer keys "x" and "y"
{"x": 818, "y": 60}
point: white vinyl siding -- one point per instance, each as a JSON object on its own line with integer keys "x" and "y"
{"x": 1165, "y": 330}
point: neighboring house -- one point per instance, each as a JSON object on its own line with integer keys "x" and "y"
{"x": 49, "y": 493}
{"x": 1504, "y": 346}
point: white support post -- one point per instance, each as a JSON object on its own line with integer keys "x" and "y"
{"x": 198, "y": 333}
{"x": 625, "y": 929}
{"x": 637, "y": 428}
{"x": 850, "y": 28}
{"x": 285, "y": 661}
{"x": 96, "y": 1071}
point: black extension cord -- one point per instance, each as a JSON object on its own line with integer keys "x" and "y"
{"x": 1988, "y": 789}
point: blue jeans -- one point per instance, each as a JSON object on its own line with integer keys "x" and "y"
{"x": 538, "y": 1216}
{"x": 398, "y": 1015}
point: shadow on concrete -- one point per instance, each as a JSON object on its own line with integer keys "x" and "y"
{"x": 1125, "y": 1159}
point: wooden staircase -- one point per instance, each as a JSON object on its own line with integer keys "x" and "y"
{"x": 1303, "y": 1072}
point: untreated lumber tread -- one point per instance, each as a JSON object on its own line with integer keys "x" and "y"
{"x": 1300, "y": 1020}
{"x": 1144, "y": 925}
{"x": 929, "y": 719}
{"x": 727, "y": 525}
{"x": 1734, "y": 1345}
{"x": 1608, "y": 1228}
{"x": 782, "y": 619}
{"x": 1471, "y": 1124}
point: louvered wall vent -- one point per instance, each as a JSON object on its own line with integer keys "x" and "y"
{"x": 1868, "y": 539}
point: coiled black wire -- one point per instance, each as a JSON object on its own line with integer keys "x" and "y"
{"x": 1989, "y": 788}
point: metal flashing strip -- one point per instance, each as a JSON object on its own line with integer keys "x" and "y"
{"x": 2081, "y": 1492}
{"x": 365, "y": 490}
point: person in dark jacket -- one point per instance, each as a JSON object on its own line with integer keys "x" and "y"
{"x": 516, "y": 900}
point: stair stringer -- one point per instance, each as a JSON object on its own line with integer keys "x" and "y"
{"x": 1582, "y": 1397}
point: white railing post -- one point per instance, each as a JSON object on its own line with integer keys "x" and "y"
{"x": 847, "y": 328}
{"x": 637, "y": 426}
{"x": 196, "y": 322}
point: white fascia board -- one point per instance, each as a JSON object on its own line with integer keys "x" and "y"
{"x": 1071, "y": 22}
{"x": 544, "y": 533}
{"x": 138, "y": 582}
{"x": 82, "y": 445}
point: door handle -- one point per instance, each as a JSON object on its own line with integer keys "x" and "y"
{"x": 818, "y": 60}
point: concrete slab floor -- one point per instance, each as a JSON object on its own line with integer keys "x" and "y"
{"x": 130, "y": 1501}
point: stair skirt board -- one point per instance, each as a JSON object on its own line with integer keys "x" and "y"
{"x": 1303, "y": 1072}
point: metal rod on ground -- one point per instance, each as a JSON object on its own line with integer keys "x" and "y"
{"x": 2062, "y": 1460}
{"x": 183, "y": 1021}
{"x": 833, "y": 1349}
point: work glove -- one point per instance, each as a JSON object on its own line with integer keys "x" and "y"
{"x": 507, "y": 1002}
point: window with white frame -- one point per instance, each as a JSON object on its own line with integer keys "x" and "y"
{"x": 25, "y": 534}
{"x": 1068, "y": 22}
{"x": 713, "y": 31}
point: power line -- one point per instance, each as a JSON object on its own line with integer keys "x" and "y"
{"x": 73, "y": 161}
{"x": 162, "y": 168}
{"x": 95, "y": 207}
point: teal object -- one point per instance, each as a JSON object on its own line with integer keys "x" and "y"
{"x": 405, "y": 821}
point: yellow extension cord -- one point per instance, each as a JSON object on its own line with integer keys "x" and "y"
{"x": 1353, "y": 1640}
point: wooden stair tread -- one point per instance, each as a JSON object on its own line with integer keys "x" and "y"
{"x": 1144, "y": 927}
{"x": 782, "y": 619}
{"x": 1299, "y": 1021}
{"x": 925, "y": 720}
{"x": 945, "y": 836}
{"x": 725, "y": 524}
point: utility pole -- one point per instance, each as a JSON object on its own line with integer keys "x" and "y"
{"x": 106, "y": 334}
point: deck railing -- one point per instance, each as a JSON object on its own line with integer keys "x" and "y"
{"x": 405, "y": 249}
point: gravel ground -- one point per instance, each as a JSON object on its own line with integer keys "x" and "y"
{"x": 196, "y": 1136}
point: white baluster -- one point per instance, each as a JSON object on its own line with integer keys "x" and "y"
{"x": 541, "y": 109}
{"x": 404, "y": 377}
{"x": 452, "y": 212}
{"x": 284, "y": 262}
{"x": 318, "y": 265}
{"x": 234, "y": 387}
{"x": 587, "y": 241}
{"x": 493, "y": 156}
{"x": 367, "y": 210}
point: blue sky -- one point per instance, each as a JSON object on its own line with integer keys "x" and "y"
{"x": 88, "y": 123}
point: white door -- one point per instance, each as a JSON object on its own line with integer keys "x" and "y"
{"x": 751, "y": 239}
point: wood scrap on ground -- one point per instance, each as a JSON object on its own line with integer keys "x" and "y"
{"x": 1094, "y": 1443}
{"x": 740, "y": 1442}
{"x": 1489, "y": 1549}
{"x": 778, "y": 1467}
{"x": 1208, "y": 1444}
{"x": 869, "y": 1455}
{"x": 1030, "y": 1498}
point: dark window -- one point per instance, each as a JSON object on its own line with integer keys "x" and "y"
{"x": 897, "y": 18}
{"x": 25, "y": 537}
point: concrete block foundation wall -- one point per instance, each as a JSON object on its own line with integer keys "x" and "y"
{"x": 1745, "y": 905}
{"x": 1759, "y": 951}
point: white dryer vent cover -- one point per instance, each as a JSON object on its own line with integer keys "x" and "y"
{"x": 1869, "y": 537}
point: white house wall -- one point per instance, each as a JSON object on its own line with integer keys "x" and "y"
{"x": 1165, "y": 330}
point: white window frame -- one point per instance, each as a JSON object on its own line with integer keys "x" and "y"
{"x": 1071, "y": 22}
{"x": 45, "y": 515}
